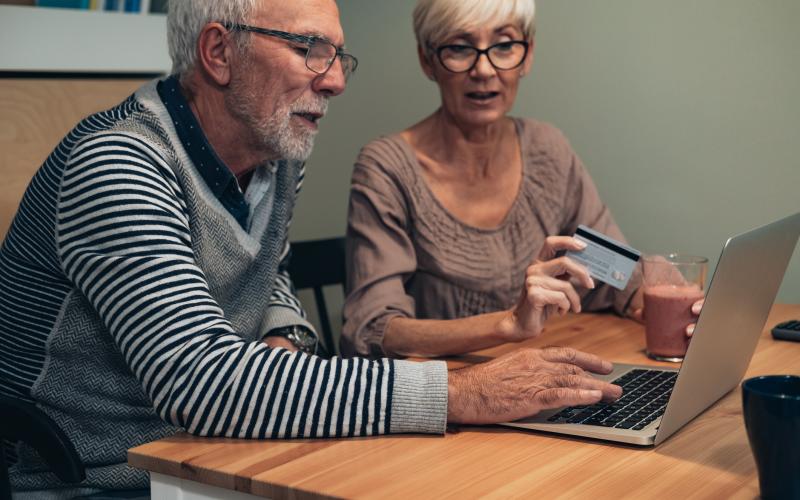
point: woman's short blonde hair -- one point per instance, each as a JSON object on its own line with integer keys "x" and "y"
{"x": 435, "y": 20}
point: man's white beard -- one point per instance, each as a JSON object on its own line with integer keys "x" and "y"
{"x": 287, "y": 141}
{"x": 275, "y": 132}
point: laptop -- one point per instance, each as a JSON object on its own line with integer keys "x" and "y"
{"x": 658, "y": 401}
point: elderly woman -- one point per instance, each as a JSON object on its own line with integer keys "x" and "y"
{"x": 449, "y": 246}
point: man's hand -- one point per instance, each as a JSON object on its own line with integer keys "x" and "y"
{"x": 277, "y": 341}
{"x": 549, "y": 289}
{"x": 525, "y": 382}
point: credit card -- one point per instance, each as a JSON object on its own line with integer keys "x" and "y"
{"x": 607, "y": 259}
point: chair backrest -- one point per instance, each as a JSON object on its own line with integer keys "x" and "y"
{"x": 30, "y": 131}
{"x": 22, "y": 421}
{"x": 315, "y": 264}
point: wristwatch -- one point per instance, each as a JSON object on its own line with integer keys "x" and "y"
{"x": 299, "y": 335}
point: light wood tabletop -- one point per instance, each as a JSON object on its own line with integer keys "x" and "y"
{"x": 708, "y": 458}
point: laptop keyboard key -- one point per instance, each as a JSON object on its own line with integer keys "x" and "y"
{"x": 644, "y": 399}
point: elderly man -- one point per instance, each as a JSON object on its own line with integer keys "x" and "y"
{"x": 143, "y": 281}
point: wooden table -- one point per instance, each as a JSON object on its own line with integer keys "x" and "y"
{"x": 708, "y": 458}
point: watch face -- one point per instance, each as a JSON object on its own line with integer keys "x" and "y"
{"x": 303, "y": 340}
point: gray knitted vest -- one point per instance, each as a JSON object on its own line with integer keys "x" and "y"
{"x": 85, "y": 385}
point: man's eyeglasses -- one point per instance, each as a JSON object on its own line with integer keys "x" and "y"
{"x": 320, "y": 53}
{"x": 462, "y": 58}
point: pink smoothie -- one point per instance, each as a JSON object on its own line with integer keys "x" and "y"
{"x": 667, "y": 312}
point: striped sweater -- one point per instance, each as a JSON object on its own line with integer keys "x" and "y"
{"x": 133, "y": 305}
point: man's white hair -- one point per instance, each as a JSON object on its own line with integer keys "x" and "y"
{"x": 435, "y": 20}
{"x": 186, "y": 19}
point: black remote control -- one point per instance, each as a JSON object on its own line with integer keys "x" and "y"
{"x": 788, "y": 330}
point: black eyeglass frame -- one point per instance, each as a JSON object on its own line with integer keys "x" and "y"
{"x": 479, "y": 52}
{"x": 306, "y": 40}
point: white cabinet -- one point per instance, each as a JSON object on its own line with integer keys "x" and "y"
{"x": 77, "y": 41}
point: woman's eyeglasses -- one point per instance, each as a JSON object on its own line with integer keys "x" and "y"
{"x": 502, "y": 56}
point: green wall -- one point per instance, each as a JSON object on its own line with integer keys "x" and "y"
{"x": 686, "y": 113}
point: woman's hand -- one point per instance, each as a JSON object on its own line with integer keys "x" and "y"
{"x": 548, "y": 290}
{"x": 637, "y": 313}
{"x": 696, "y": 307}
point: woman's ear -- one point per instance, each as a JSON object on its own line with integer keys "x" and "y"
{"x": 215, "y": 53}
{"x": 425, "y": 62}
{"x": 526, "y": 65}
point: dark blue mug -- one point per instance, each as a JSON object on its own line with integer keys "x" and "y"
{"x": 771, "y": 407}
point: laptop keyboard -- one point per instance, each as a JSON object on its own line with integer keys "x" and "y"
{"x": 644, "y": 398}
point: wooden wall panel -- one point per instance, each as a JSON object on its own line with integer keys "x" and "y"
{"x": 35, "y": 114}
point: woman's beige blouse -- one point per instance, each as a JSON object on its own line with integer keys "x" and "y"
{"x": 408, "y": 256}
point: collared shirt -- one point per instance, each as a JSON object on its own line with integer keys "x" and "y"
{"x": 212, "y": 169}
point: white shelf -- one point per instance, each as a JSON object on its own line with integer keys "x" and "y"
{"x": 70, "y": 40}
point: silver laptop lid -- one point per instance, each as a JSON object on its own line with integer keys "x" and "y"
{"x": 739, "y": 298}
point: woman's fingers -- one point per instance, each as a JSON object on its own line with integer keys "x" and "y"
{"x": 561, "y": 266}
{"x": 637, "y": 314}
{"x": 696, "y": 308}
{"x": 554, "y": 244}
{"x": 556, "y": 285}
{"x": 541, "y": 298}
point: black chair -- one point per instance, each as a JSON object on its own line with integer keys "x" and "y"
{"x": 315, "y": 264}
{"x": 22, "y": 421}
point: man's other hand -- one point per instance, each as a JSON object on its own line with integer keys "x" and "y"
{"x": 525, "y": 382}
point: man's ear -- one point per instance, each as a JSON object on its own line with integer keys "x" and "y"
{"x": 215, "y": 53}
{"x": 427, "y": 67}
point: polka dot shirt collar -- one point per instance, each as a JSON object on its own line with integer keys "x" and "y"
{"x": 215, "y": 173}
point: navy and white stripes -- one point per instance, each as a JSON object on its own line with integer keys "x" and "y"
{"x": 105, "y": 217}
